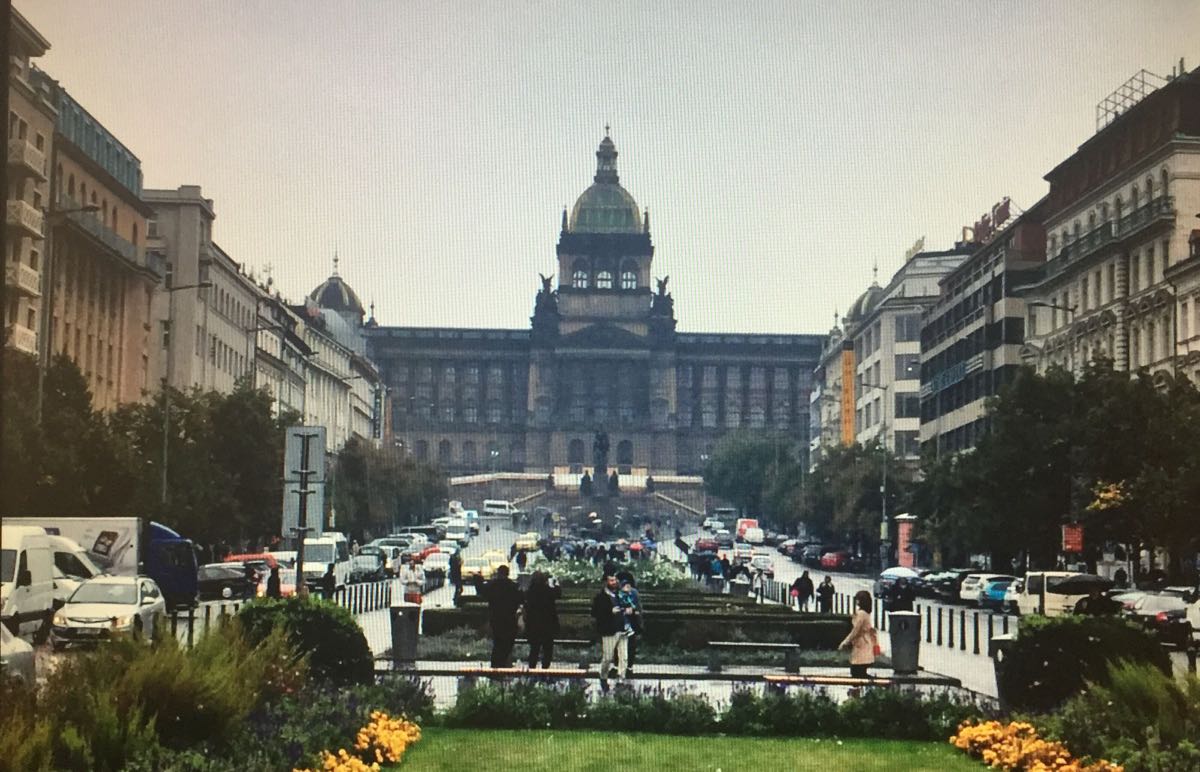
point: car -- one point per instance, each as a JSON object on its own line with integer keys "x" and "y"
{"x": 442, "y": 521}
{"x": 716, "y": 525}
{"x": 437, "y": 563}
{"x": 496, "y": 558}
{"x": 724, "y": 538}
{"x": 708, "y": 523}
{"x": 785, "y": 547}
{"x": 105, "y": 605}
{"x": 948, "y": 587}
{"x": 810, "y": 553}
{"x": 477, "y": 566}
{"x": 1127, "y": 598}
{"x": 1012, "y": 594}
{"x": 836, "y": 560}
{"x": 706, "y": 544}
{"x": 761, "y": 561}
{"x": 991, "y": 593}
{"x": 1046, "y": 583}
{"x": 968, "y": 591}
{"x": 368, "y": 565}
{"x": 17, "y": 659}
{"x": 527, "y": 542}
{"x": 742, "y": 552}
{"x": 419, "y": 555}
{"x": 449, "y": 547}
{"x": 1165, "y": 615}
{"x": 223, "y": 581}
{"x": 458, "y": 535}
{"x": 285, "y": 558}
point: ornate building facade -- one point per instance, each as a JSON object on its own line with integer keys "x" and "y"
{"x": 601, "y": 353}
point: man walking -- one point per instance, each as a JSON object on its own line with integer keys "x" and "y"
{"x": 610, "y": 626}
{"x": 503, "y": 598}
{"x": 456, "y": 576}
{"x": 825, "y": 596}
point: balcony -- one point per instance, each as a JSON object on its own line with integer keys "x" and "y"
{"x": 21, "y": 338}
{"x": 91, "y": 225}
{"x": 23, "y": 279}
{"x": 24, "y": 218}
{"x": 26, "y": 160}
{"x": 1161, "y": 208}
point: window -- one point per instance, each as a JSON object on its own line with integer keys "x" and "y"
{"x": 908, "y": 443}
{"x": 471, "y": 414}
{"x": 575, "y": 452}
{"x": 908, "y": 367}
{"x": 444, "y": 452}
{"x": 493, "y": 414}
{"x": 468, "y": 453}
{"x": 421, "y": 451}
{"x": 1163, "y": 184}
{"x": 908, "y": 406}
{"x": 908, "y": 327}
{"x": 448, "y": 413}
{"x": 1184, "y": 321}
{"x": 579, "y": 279}
{"x": 604, "y": 280}
{"x": 1084, "y": 294}
{"x": 628, "y": 280}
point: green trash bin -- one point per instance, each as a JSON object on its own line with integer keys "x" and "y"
{"x": 998, "y": 649}
{"x": 405, "y": 619}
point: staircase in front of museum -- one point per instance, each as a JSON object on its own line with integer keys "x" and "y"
{"x": 531, "y": 490}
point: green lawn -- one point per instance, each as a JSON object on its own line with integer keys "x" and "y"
{"x": 560, "y": 751}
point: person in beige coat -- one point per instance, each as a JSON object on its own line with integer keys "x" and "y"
{"x": 863, "y": 642}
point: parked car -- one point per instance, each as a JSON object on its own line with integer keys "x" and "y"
{"x": 17, "y": 660}
{"x": 785, "y": 547}
{"x": 706, "y": 544}
{"x": 1039, "y": 583}
{"x": 716, "y": 525}
{"x": 810, "y": 553}
{"x": 724, "y": 538}
{"x": 477, "y": 566}
{"x": 836, "y": 560}
{"x": 108, "y": 604}
{"x": 1012, "y": 594}
{"x": 449, "y": 547}
{"x": 224, "y": 581}
{"x": 368, "y": 565}
{"x": 949, "y": 585}
{"x": 742, "y": 553}
{"x": 991, "y": 594}
{"x": 972, "y": 584}
{"x": 1164, "y": 615}
{"x": 437, "y": 563}
{"x": 707, "y": 525}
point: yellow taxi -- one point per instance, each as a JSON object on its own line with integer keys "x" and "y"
{"x": 528, "y": 542}
{"x": 481, "y": 567}
{"x": 495, "y": 559}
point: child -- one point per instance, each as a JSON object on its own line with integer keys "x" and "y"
{"x": 627, "y": 597}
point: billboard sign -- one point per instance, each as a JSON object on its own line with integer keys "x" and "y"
{"x": 1072, "y": 538}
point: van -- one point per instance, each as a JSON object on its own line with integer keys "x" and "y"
{"x": 320, "y": 551}
{"x": 753, "y": 535}
{"x": 742, "y": 524}
{"x": 72, "y": 566}
{"x": 26, "y": 580}
{"x": 1039, "y": 584}
{"x": 499, "y": 507}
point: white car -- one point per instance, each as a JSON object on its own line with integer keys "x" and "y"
{"x": 109, "y": 604}
{"x": 16, "y": 657}
{"x": 973, "y": 583}
{"x": 458, "y": 536}
{"x": 437, "y": 562}
{"x": 1012, "y": 595}
{"x": 446, "y": 546}
{"x": 764, "y": 563}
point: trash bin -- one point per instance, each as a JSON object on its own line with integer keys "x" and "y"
{"x": 905, "y": 630}
{"x": 998, "y": 648}
{"x": 405, "y": 618}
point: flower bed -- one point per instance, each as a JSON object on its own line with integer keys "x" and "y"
{"x": 1016, "y": 745}
{"x": 383, "y": 740}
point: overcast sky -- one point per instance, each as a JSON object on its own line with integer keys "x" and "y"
{"x": 781, "y": 148}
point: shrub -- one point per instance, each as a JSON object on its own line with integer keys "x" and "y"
{"x": 326, "y": 633}
{"x": 896, "y": 715}
{"x": 789, "y": 714}
{"x": 1051, "y": 659}
{"x": 519, "y": 705}
{"x": 652, "y": 710}
{"x": 1137, "y": 716}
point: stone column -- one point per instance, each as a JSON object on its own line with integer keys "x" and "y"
{"x": 1120, "y": 352}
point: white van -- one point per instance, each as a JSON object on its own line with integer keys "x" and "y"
{"x": 72, "y": 566}
{"x": 753, "y": 535}
{"x": 26, "y": 579}
{"x": 499, "y": 507}
{"x": 1039, "y": 584}
{"x": 320, "y": 551}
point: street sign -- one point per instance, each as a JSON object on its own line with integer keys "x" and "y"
{"x": 293, "y": 450}
{"x": 304, "y": 481}
{"x": 1072, "y": 538}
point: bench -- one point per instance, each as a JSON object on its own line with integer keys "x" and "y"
{"x": 791, "y": 652}
{"x": 561, "y": 642}
{"x": 781, "y": 681}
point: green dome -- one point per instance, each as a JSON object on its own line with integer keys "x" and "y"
{"x": 606, "y": 207}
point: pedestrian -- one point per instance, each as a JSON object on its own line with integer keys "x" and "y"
{"x": 757, "y": 584}
{"x": 504, "y": 599}
{"x": 794, "y": 594}
{"x": 902, "y": 596}
{"x": 328, "y": 583}
{"x": 806, "y": 590}
{"x": 412, "y": 579}
{"x": 627, "y": 594}
{"x": 250, "y": 576}
{"x": 512, "y": 551}
{"x": 862, "y": 641}
{"x": 610, "y": 625}
{"x": 1096, "y": 603}
{"x": 824, "y": 593}
{"x": 522, "y": 560}
{"x": 456, "y": 580}
{"x": 541, "y": 617}
{"x": 274, "y": 586}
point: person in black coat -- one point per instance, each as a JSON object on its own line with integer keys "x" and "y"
{"x": 902, "y": 596}
{"x": 274, "y": 587}
{"x": 328, "y": 583}
{"x": 456, "y": 580}
{"x": 541, "y": 617}
{"x": 503, "y": 599}
{"x": 610, "y": 627}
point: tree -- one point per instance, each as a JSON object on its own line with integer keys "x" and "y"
{"x": 374, "y": 488}
{"x": 739, "y": 469}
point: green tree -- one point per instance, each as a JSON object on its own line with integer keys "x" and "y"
{"x": 374, "y": 488}
{"x": 741, "y": 468}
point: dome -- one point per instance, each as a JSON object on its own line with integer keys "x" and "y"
{"x": 864, "y": 304}
{"x": 336, "y": 295}
{"x": 606, "y": 207}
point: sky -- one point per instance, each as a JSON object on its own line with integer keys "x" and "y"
{"x": 783, "y": 149}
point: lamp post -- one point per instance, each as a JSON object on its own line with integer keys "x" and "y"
{"x": 704, "y": 488}
{"x": 45, "y": 328}
{"x": 170, "y": 322}
{"x": 884, "y": 545}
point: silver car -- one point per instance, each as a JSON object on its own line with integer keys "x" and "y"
{"x": 105, "y": 605}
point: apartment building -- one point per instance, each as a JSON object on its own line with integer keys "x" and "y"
{"x": 1120, "y": 218}
{"x": 31, "y": 116}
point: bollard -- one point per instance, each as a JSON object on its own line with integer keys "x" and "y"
{"x": 1004, "y": 624}
{"x": 928, "y": 625}
{"x": 1191, "y": 657}
{"x": 991, "y": 632}
{"x": 975, "y": 631}
{"x": 939, "y": 626}
{"x": 950, "y": 628}
{"x": 191, "y": 625}
{"x": 962, "y": 629}
{"x": 175, "y": 624}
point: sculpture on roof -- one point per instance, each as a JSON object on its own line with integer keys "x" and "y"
{"x": 547, "y": 298}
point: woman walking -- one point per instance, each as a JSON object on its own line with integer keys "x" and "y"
{"x": 863, "y": 641}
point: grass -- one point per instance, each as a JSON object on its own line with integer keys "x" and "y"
{"x": 563, "y": 751}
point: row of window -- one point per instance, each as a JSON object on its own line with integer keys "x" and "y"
{"x": 1101, "y": 213}
{"x": 1094, "y": 289}
{"x": 583, "y": 277}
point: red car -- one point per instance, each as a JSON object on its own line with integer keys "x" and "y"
{"x": 835, "y": 560}
{"x": 419, "y": 557}
{"x": 706, "y": 544}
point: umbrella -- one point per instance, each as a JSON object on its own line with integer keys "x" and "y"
{"x": 898, "y": 572}
{"x": 1079, "y": 584}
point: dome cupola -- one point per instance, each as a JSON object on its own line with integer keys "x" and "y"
{"x": 606, "y": 207}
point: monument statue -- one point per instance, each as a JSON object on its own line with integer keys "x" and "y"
{"x": 662, "y": 285}
{"x": 600, "y": 460}
{"x": 546, "y": 283}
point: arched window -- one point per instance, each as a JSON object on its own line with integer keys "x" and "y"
{"x": 604, "y": 280}
{"x": 83, "y": 193}
{"x": 444, "y": 452}
{"x": 1075, "y": 231}
{"x": 1118, "y": 206}
{"x": 422, "y": 450}
{"x": 71, "y": 185}
{"x": 579, "y": 279}
{"x": 1091, "y": 220}
{"x": 1149, "y": 188}
{"x": 135, "y": 234}
{"x": 628, "y": 280}
{"x": 1133, "y": 198}
{"x": 1163, "y": 184}
{"x": 1053, "y": 246}
{"x": 468, "y": 453}
{"x": 624, "y": 453}
{"x": 575, "y": 452}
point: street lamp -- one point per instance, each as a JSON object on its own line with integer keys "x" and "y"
{"x": 45, "y": 328}
{"x": 170, "y": 322}
{"x": 883, "y": 503}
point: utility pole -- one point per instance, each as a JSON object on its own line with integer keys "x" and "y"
{"x": 304, "y": 472}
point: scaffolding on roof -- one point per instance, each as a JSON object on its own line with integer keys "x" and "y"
{"x": 1141, "y": 85}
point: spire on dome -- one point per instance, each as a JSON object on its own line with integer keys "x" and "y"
{"x": 564, "y": 220}
{"x": 606, "y": 160}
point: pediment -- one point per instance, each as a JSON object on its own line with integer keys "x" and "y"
{"x": 603, "y": 336}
